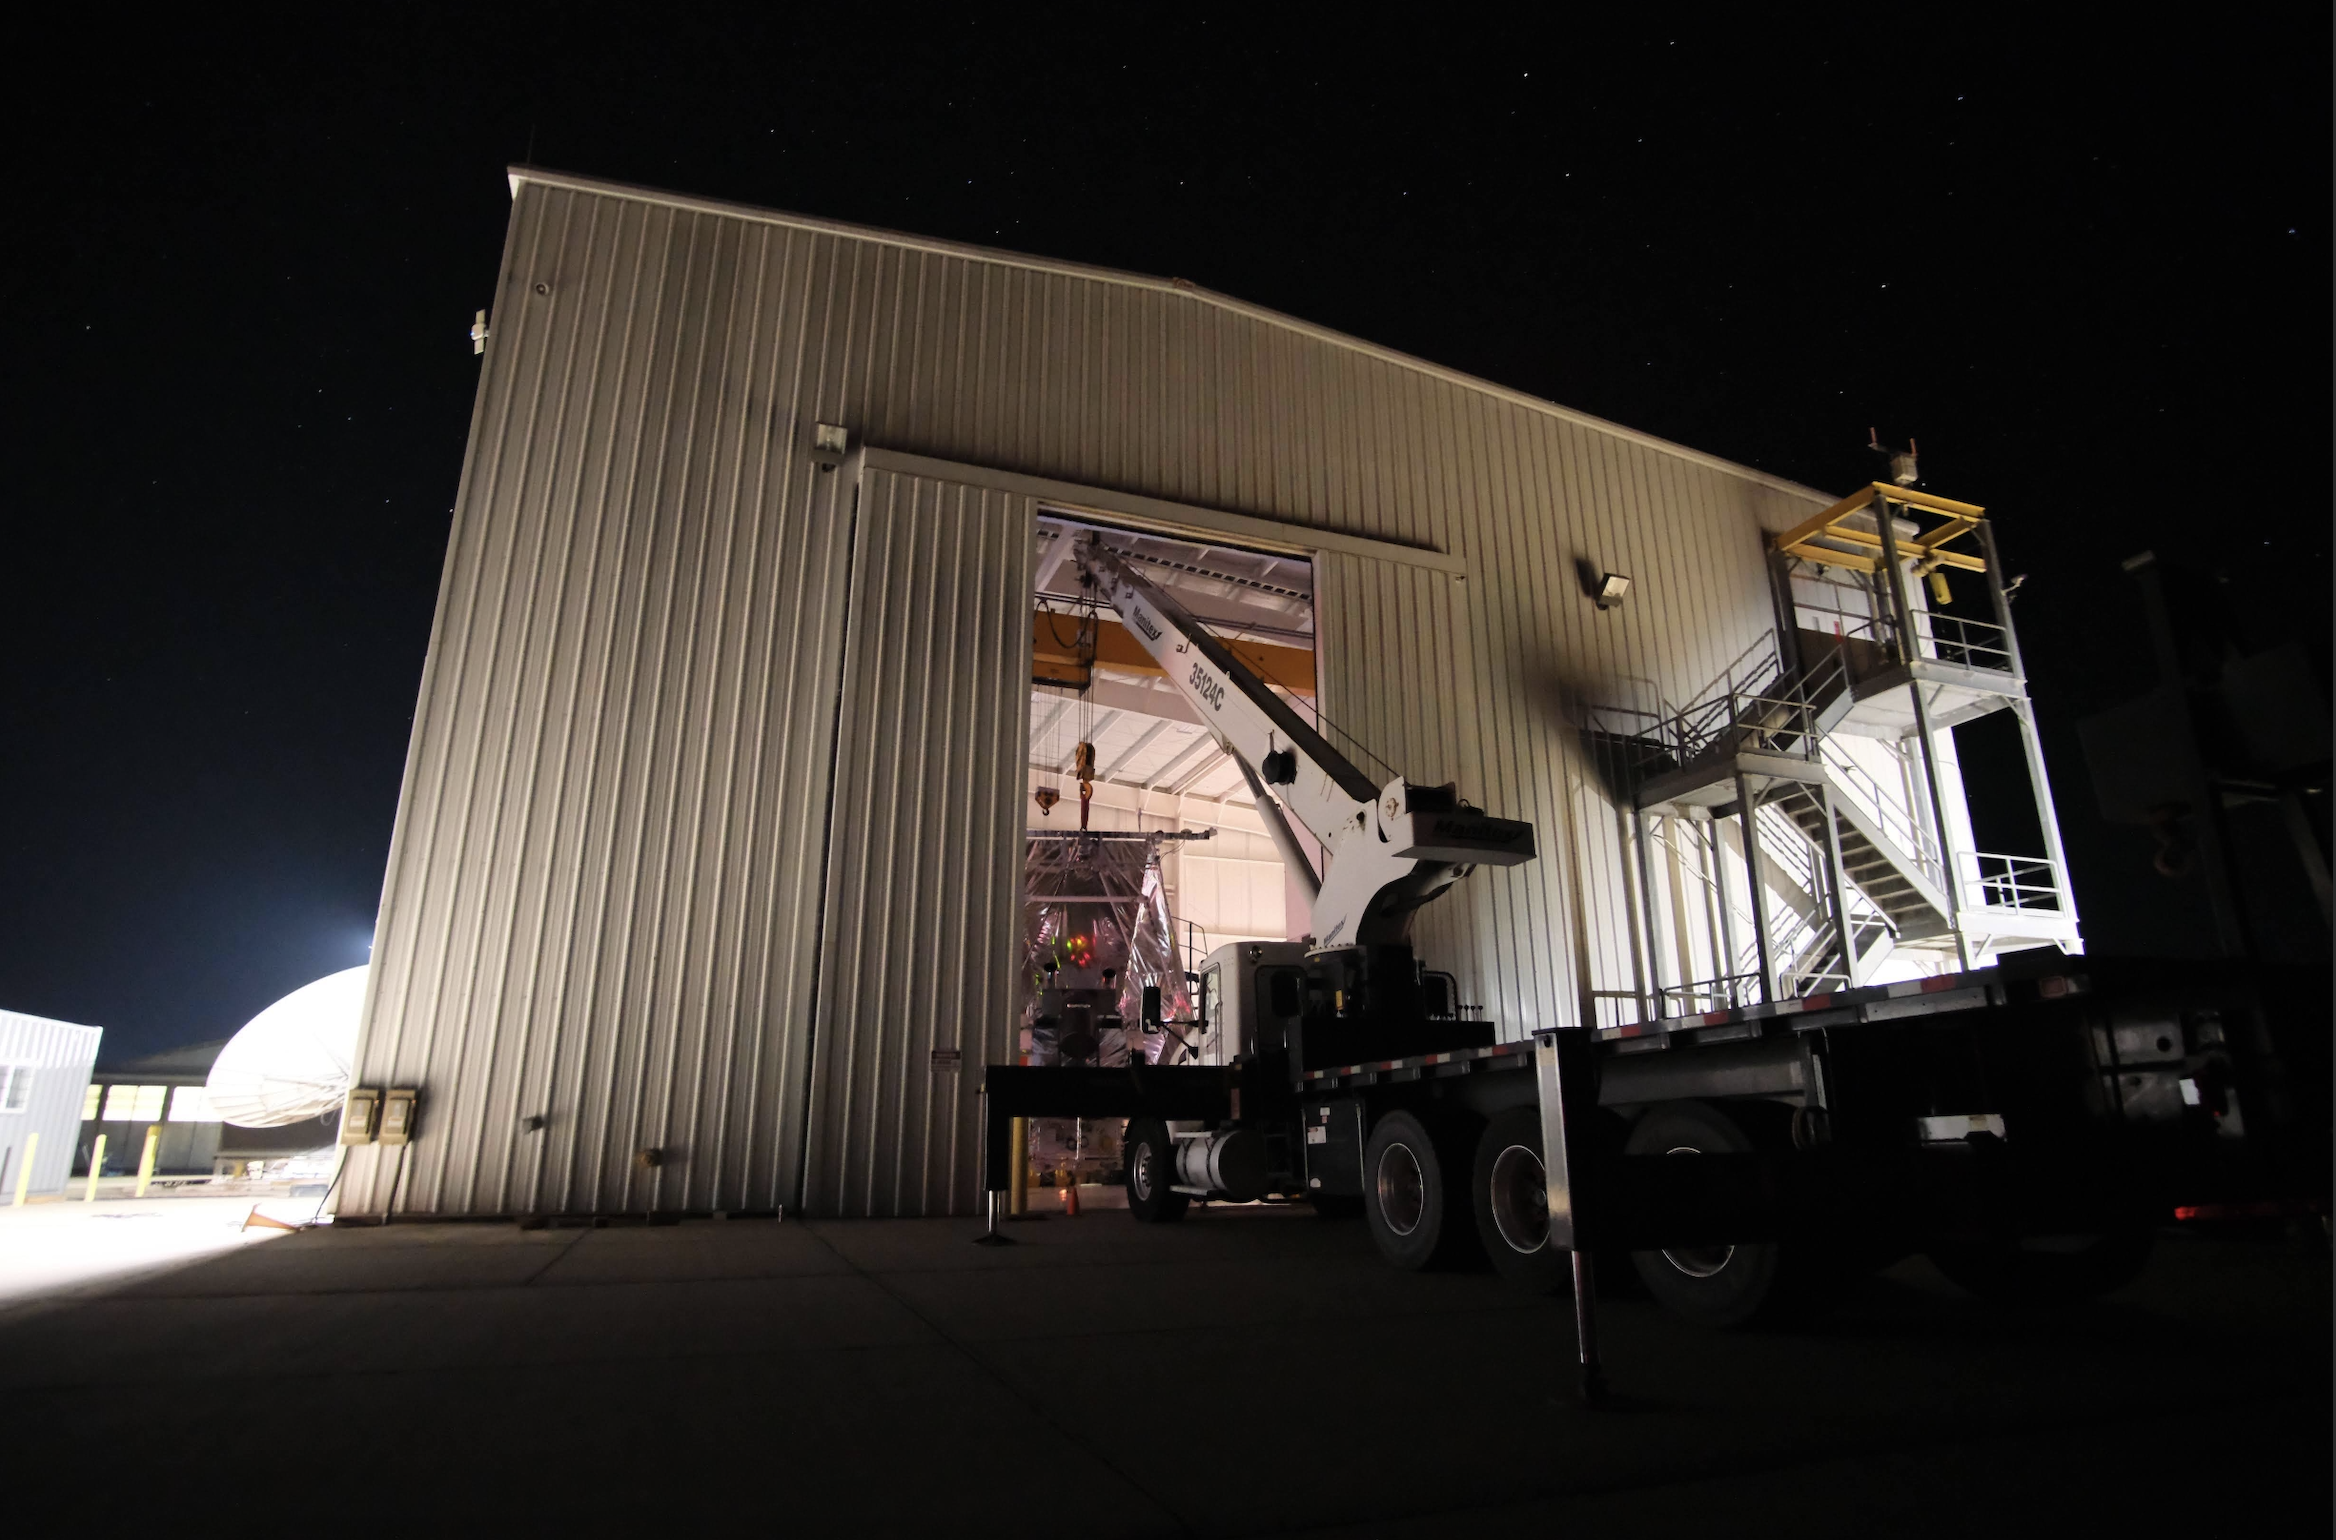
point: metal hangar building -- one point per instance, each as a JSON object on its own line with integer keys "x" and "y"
{"x": 705, "y": 890}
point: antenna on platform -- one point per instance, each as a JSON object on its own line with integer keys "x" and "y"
{"x": 1902, "y": 461}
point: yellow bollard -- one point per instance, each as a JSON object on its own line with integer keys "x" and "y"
{"x": 32, "y": 1146}
{"x": 146, "y": 1157}
{"x": 1018, "y": 1169}
{"x": 96, "y": 1164}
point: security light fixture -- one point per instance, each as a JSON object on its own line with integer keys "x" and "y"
{"x": 1613, "y": 588}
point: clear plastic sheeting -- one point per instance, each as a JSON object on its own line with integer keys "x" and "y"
{"x": 291, "y": 1061}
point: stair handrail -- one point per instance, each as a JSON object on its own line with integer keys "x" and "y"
{"x": 1722, "y": 992}
{"x": 2011, "y": 882}
{"x": 1944, "y": 638}
{"x": 1961, "y": 640}
{"x": 1758, "y": 661}
{"x": 1904, "y": 827}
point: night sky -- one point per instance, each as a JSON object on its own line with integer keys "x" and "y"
{"x": 2089, "y": 270}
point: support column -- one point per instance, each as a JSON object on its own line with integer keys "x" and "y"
{"x": 1650, "y": 1006}
{"x": 1750, "y": 813}
{"x": 1837, "y": 886}
{"x": 1725, "y": 904}
{"x": 1886, "y": 524}
{"x": 2031, "y": 742}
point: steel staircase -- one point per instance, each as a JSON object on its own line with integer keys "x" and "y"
{"x": 1776, "y": 736}
{"x": 1903, "y": 886}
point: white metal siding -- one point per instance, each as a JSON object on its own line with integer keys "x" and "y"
{"x": 603, "y": 901}
{"x": 603, "y": 892}
{"x": 924, "y": 855}
{"x": 59, "y": 1055}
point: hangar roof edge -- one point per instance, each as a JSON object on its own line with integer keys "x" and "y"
{"x": 546, "y": 178}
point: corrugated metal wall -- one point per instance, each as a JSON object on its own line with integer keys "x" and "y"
{"x": 604, "y": 895}
{"x": 59, "y": 1055}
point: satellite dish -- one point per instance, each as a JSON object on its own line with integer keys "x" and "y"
{"x": 291, "y": 1061}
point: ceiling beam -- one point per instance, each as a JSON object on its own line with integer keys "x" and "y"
{"x": 1159, "y": 779}
{"x": 1143, "y": 741}
{"x": 1291, "y": 668}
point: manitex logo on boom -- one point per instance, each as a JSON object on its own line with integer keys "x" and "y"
{"x": 1144, "y": 623}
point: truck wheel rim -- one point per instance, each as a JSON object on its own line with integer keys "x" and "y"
{"x": 1403, "y": 1190}
{"x": 1520, "y": 1199}
{"x": 1143, "y": 1172}
{"x": 1698, "y": 1261}
{"x": 1701, "y": 1261}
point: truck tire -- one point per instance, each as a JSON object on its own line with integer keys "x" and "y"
{"x": 2059, "y": 1270}
{"x": 1151, "y": 1166}
{"x": 1511, "y": 1196}
{"x": 1415, "y": 1191}
{"x": 1715, "y": 1286}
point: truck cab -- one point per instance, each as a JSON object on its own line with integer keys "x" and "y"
{"x": 1252, "y": 995}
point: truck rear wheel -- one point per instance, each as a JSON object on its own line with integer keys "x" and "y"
{"x": 1717, "y": 1286}
{"x": 1151, "y": 1166}
{"x": 1512, "y": 1204}
{"x": 1415, "y": 1191}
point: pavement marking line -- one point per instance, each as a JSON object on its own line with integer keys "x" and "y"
{"x": 1028, "y": 1404}
{"x": 555, "y": 1259}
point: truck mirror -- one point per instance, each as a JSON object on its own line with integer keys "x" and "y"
{"x": 1151, "y": 1005}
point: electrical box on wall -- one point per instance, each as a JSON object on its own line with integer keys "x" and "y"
{"x": 397, "y": 1116}
{"x": 357, "y": 1115}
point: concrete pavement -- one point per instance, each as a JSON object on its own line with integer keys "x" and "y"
{"x": 1247, "y": 1372}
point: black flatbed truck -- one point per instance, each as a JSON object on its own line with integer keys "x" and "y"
{"x": 2028, "y": 1125}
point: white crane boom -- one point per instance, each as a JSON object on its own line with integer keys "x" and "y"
{"x": 1387, "y": 849}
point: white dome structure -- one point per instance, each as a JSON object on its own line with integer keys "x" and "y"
{"x": 291, "y": 1061}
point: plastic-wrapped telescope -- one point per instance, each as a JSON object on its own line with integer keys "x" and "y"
{"x": 291, "y": 1061}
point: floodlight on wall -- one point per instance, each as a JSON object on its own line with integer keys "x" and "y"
{"x": 1613, "y": 588}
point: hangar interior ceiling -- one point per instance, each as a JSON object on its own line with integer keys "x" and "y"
{"x": 1156, "y": 765}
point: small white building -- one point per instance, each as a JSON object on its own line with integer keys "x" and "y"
{"x": 704, "y": 893}
{"x": 44, "y": 1080}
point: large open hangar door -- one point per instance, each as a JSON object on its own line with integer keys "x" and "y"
{"x": 958, "y": 593}
{"x": 1155, "y": 766}
{"x": 1144, "y": 848}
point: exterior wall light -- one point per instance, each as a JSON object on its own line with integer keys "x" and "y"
{"x": 1613, "y": 588}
